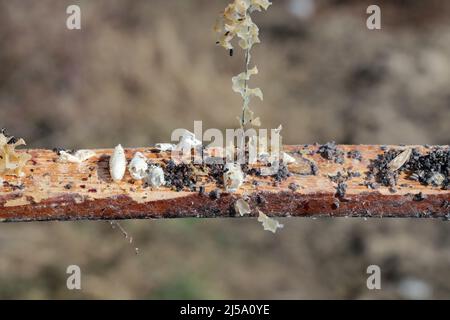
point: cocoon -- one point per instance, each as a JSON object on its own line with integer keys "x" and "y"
{"x": 117, "y": 163}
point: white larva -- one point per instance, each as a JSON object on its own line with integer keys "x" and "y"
{"x": 155, "y": 177}
{"x": 138, "y": 166}
{"x": 117, "y": 163}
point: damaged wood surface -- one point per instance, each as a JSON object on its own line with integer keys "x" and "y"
{"x": 51, "y": 190}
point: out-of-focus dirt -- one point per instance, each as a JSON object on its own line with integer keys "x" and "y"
{"x": 139, "y": 69}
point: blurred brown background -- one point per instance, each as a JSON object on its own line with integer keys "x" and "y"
{"x": 139, "y": 69}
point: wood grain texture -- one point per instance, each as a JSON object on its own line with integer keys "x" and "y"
{"x": 51, "y": 190}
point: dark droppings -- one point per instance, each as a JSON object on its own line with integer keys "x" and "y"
{"x": 341, "y": 190}
{"x": 252, "y": 171}
{"x": 341, "y": 177}
{"x": 330, "y": 151}
{"x": 314, "y": 169}
{"x": 179, "y": 176}
{"x": 216, "y": 173}
{"x": 68, "y": 186}
{"x": 256, "y": 183}
{"x": 215, "y": 194}
{"x": 432, "y": 168}
{"x": 355, "y": 174}
{"x": 371, "y": 185}
{"x": 283, "y": 173}
{"x": 379, "y": 168}
{"x": 293, "y": 186}
{"x": 419, "y": 197}
{"x": 336, "y": 204}
{"x": 260, "y": 200}
{"x": 354, "y": 154}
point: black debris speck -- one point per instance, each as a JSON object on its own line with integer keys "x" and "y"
{"x": 216, "y": 173}
{"x": 215, "y": 194}
{"x": 445, "y": 204}
{"x": 314, "y": 169}
{"x": 336, "y": 204}
{"x": 251, "y": 171}
{"x": 283, "y": 173}
{"x": 260, "y": 199}
{"x": 371, "y": 185}
{"x": 293, "y": 186}
{"x": 341, "y": 190}
{"x": 419, "y": 197}
{"x": 354, "y": 154}
{"x": 330, "y": 151}
{"x": 341, "y": 177}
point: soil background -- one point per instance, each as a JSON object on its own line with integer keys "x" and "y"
{"x": 139, "y": 69}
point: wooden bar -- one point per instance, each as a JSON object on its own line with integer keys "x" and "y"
{"x": 51, "y": 190}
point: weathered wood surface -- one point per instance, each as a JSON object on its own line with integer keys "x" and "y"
{"x": 51, "y": 190}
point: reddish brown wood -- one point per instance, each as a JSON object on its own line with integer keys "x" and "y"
{"x": 42, "y": 194}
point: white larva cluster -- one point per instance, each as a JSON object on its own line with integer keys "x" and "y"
{"x": 138, "y": 167}
{"x": 117, "y": 164}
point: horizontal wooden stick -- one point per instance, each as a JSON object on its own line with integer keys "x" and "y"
{"x": 51, "y": 190}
